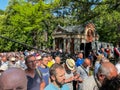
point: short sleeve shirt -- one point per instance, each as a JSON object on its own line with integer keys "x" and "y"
{"x": 46, "y": 74}
{"x": 33, "y": 83}
{"x": 53, "y": 87}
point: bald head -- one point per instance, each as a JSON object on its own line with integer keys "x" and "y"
{"x": 86, "y": 62}
{"x": 13, "y": 79}
{"x": 108, "y": 70}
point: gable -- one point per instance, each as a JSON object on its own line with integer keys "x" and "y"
{"x": 59, "y": 30}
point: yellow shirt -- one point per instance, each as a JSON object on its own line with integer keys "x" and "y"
{"x": 50, "y": 63}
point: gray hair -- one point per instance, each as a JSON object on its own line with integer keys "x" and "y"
{"x": 106, "y": 69}
{"x": 103, "y": 70}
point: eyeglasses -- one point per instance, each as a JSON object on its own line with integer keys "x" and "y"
{"x": 30, "y": 62}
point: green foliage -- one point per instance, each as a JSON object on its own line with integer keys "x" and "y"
{"x": 1, "y": 12}
{"x": 27, "y": 21}
{"x": 108, "y": 22}
{"x": 104, "y": 14}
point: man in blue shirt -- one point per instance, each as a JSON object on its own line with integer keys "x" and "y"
{"x": 80, "y": 59}
{"x": 44, "y": 69}
{"x": 57, "y": 74}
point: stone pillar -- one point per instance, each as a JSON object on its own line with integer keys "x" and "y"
{"x": 68, "y": 45}
{"x": 54, "y": 44}
{"x": 64, "y": 47}
{"x": 75, "y": 45}
{"x": 78, "y": 44}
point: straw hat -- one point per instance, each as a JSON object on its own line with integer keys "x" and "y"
{"x": 70, "y": 64}
{"x": 12, "y": 59}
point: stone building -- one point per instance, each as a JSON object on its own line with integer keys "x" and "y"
{"x": 73, "y": 39}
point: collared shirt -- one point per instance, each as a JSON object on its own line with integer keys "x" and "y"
{"x": 91, "y": 83}
{"x": 84, "y": 73}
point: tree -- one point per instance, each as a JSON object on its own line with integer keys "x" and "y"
{"x": 108, "y": 21}
{"x": 1, "y": 12}
{"x": 104, "y": 14}
{"x": 27, "y": 23}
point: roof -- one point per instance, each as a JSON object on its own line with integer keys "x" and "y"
{"x": 73, "y": 29}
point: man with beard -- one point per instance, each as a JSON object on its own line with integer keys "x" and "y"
{"x": 57, "y": 75}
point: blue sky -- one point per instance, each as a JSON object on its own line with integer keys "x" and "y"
{"x": 3, "y": 4}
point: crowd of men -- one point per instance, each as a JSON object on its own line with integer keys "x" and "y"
{"x": 38, "y": 70}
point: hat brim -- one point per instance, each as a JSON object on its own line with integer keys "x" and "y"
{"x": 71, "y": 68}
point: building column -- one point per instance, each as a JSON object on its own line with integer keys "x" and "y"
{"x": 75, "y": 45}
{"x": 78, "y": 44}
{"x": 54, "y": 44}
{"x": 68, "y": 46}
{"x": 64, "y": 47}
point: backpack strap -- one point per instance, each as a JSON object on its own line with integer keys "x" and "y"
{"x": 84, "y": 69}
{"x": 39, "y": 73}
{"x": 96, "y": 81}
